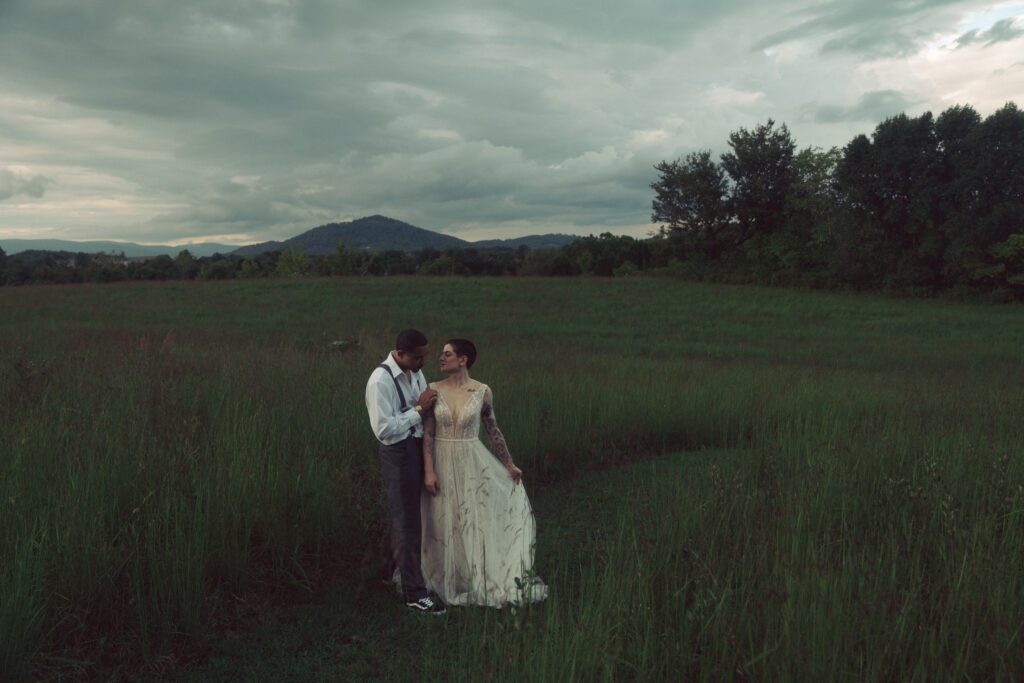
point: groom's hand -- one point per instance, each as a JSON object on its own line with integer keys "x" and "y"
{"x": 427, "y": 400}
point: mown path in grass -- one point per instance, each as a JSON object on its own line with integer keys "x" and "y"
{"x": 356, "y": 629}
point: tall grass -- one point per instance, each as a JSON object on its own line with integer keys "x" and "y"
{"x": 765, "y": 564}
{"x": 167, "y": 445}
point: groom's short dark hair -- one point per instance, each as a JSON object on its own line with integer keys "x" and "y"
{"x": 410, "y": 340}
{"x": 463, "y": 347}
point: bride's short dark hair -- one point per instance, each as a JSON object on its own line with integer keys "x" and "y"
{"x": 463, "y": 347}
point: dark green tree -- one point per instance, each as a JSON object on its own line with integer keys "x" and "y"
{"x": 398, "y": 262}
{"x": 690, "y": 200}
{"x": 797, "y": 249}
{"x": 444, "y": 264}
{"x": 250, "y": 268}
{"x": 343, "y": 262}
{"x": 426, "y": 255}
{"x": 953, "y": 131}
{"x": 857, "y": 233}
{"x": 760, "y": 168}
{"x": 292, "y": 263}
{"x": 891, "y": 186}
{"x": 218, "y": 269}
{"x": 186, "y": 265}
{"x": 157, "y": 268}
{"x": 548, "y": 262}
{"x": 111, "y": 271}
{"x": 605, "y": 254}
{"x": 375, "y": 264}
{"x": 993, "y": 190}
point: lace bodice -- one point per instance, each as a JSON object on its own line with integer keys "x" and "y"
{"x": 457, "y": 412}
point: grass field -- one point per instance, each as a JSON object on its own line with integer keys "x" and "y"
{"x": 846, "y": 502}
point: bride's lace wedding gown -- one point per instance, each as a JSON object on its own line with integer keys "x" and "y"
{"x": 479, "y": 531}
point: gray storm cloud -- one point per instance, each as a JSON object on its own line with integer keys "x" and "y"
{"x": 868, "y": 27}
{"x": 872, "y": 106}
{"x": 1002, "y": 30}
{"x": 13, "y": 184}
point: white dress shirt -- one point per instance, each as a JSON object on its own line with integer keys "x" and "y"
{"x": 389, "y": 424}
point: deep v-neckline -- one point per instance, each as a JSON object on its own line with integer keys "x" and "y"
{"x": 456, "y": 414}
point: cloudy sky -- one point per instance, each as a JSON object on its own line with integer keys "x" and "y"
{"x": 245, "y": 120}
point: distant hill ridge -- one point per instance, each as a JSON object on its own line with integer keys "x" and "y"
{"x": 372, "y": 233}
{"x": 380, "y": 233}
{"x": 130, "y": 249}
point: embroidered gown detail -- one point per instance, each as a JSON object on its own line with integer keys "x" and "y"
{"x": 478, "y": 531}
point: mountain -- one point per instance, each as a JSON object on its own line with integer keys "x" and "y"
{"x": 380, "y": 233}
{"x": 129, "y": 248}
{"x": 373, "y": 233}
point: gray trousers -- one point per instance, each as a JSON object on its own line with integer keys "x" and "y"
{"x": 402, "y": 467}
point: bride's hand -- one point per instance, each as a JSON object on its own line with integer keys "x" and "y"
{"x": 515, "y": 473}
{"x": 430, "y": 483}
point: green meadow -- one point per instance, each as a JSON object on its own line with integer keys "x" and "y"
{"x": 731, "y": 483}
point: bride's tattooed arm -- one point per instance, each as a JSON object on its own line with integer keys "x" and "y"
{"x": 493, "y": 433}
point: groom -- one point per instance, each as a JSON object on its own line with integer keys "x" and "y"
{"x": 397, "y": 399}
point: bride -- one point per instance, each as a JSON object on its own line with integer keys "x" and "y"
{"x": 478, "y": 526}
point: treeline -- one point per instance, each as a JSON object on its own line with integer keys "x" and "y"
{"x": 923, "y": 206}
{"x": 606, "y": 255}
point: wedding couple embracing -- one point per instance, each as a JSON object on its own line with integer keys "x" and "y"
{"x": 462, "y": 529}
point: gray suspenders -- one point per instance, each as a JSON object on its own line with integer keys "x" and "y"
{"x": 401, "y": 396}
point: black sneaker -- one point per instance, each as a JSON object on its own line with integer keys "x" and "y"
{"x": 426, "y": 605}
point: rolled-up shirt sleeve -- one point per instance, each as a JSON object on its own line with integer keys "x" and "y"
{"x": 389, "y": 426}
